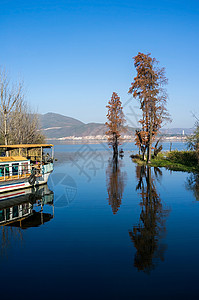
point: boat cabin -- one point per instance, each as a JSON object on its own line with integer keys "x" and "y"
{"x": 21, "y": 160}
{"x": 14, "y": 167}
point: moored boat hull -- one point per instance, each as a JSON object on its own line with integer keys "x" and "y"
{"x": 22, "y": 183}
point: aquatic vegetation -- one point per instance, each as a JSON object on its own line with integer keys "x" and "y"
{"x": 173, "y": 160}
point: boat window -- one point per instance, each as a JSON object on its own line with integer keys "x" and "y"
{"x": 2, "y": 167}
{"x": 2, "y": 215}
{"x": 8, "y": 214}
{"x": 15, "y": 168}
{"x": 15, "y": 212}
{"x": 25, "y": 208}
{"x": 24, "y": 167}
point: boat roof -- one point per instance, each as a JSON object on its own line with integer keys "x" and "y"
{"x": 12, "y": 158}
{"x": 26, "y": 146}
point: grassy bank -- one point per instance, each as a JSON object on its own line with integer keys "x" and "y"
{"x": 174, "y": 160}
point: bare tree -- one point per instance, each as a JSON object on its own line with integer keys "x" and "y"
{"x": 24, "y": 125}
{"x": 10, "y": 96}
{"x": 19, "y": 124}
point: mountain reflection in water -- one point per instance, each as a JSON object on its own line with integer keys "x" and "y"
{"x": 23, "y": 212}
{"x": 147, "y": 235}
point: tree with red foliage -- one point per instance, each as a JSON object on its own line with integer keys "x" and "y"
{"x": 115, "y": 123}
{"x": 148, "y": 88}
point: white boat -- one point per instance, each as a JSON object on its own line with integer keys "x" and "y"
{"x": 30, "y": 167}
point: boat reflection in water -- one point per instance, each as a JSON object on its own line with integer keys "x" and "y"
{"x": 148, "y": 234}
{"x": 21, "y": 210}
{"x": 115, "y": 180}
{"x": 18, "y": 209}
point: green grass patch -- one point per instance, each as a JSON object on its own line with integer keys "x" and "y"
{"x": 185, "y": 161}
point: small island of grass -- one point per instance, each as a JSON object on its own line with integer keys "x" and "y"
{"x": 186, "y": 161}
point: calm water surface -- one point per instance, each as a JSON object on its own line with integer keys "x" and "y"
{"x": 101, "y": 232}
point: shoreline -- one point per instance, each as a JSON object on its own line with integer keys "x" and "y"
{"x": 85, "y": 140}
{"x": 184, "y": 161}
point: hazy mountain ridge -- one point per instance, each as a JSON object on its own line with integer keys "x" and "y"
{"x": 171, "y": 131}
{"x": 59, "y": 126}
{"x": 50, "y": 120}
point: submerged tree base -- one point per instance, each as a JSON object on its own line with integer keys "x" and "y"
{"x": 185, "y": 161}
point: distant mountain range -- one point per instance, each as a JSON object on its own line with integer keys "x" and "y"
{"x": 57, "y": 126}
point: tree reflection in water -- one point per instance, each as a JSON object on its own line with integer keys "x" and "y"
{"x": 8, "y": 234}
{"x": 147, "y": 236}
{"x": 115, "y": 179}
{"x": 193, "y": 184}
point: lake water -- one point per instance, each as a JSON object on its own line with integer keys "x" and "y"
{"x": 104, "y": 232}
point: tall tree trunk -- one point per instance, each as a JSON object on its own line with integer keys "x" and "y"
{"x": 150, "y": 141}
{"x": 115, "y": 147}
{"x": 5, "y": 130}
{"x": 143, "y": 156}
{"x": 143, "y": 149}
{"x": 149, "y": 151}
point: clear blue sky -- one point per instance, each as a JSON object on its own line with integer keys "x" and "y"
{"x": 73, "y": 54}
